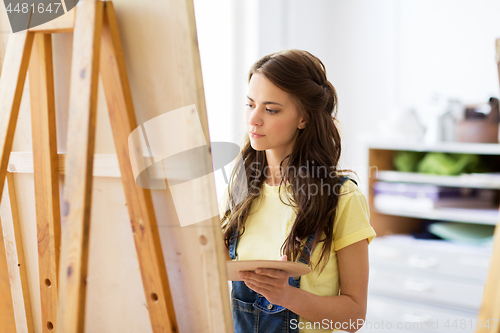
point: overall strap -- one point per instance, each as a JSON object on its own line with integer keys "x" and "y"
{"x": 233, "y": 243}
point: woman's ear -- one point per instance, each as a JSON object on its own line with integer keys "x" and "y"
{"x": 303, "y": 120}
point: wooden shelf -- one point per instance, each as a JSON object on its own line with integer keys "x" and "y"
{"x": 396, "y": 220}
{"x": 476, "y": 180}
{"x": 479, "y": 216}
{"x": 445, "y": 147}
{"x": 405, "y": 263}
{"x": 105, "y": 165}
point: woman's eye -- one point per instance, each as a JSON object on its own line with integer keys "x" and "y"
{"x": 268, "y": 110}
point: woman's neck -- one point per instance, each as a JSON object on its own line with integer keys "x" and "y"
{"x": 273, "y": 164}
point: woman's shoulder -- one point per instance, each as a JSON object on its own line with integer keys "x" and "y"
{"x": 352, "y": 219}
{"x": 349, "y": 187}
{"x": 352, "y": 197}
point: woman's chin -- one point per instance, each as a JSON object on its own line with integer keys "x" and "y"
{"x": 257, "y": 146}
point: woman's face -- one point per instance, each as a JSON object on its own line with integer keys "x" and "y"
{"x": 271, "y": 113}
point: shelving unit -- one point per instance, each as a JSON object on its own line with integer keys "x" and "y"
{"x": 479, "y": 216}
{"x": 397, "y": 221}
{"x": 445, "y": 147}
{"x": 474, "y": 180}
{"x": 426, "y": 281}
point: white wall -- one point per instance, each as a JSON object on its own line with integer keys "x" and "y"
{"x": 448, "y": 46}
{"x": 217, "y": 28}
{"x": 382, "y": 56}
{"x": 354, "y": 40}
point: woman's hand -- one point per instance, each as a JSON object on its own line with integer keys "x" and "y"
{"x": 270, "y": 283}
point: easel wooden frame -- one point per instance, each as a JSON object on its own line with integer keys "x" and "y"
{"x": 489, "y": 314}
{"x": 96, "y": 39}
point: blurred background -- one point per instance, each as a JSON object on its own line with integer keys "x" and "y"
{"x": 383, "y": 57}
{"x": 417, "y": 83}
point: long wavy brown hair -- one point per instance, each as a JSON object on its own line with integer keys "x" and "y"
{"x": 317, "y": 148}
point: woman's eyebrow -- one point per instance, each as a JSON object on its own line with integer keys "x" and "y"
{"x": 265, "y": 103}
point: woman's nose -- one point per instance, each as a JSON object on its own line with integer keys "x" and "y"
{"x": 254, "y": 117}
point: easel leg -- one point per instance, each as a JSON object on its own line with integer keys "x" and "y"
{"x": 139, "y": 201}
{"x": 46, "y": 172}
{"x": 12, "y": 81}
{"x": 80, "y": 157}
{"x": 13, "y": 239}
{"x": 7, "y": 319}
{"x": 490, "y": 307}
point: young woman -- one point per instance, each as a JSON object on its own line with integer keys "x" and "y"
{"x": 291, "y": 202}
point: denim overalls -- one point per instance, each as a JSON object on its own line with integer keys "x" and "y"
{"x": 252, "y": 312}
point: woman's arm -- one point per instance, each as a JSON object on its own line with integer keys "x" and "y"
{"x": 346, "y": 308}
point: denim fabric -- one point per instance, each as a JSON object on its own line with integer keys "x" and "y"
{"x": 252, "y": 312}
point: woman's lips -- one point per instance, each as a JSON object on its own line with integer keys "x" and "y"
{"x": 255, "y": 136}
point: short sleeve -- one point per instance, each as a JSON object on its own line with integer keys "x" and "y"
{"x": 352, "y": 221}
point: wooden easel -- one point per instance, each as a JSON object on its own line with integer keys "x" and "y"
{"x": 490, "y": 308}
{"x": 62, "y": 277}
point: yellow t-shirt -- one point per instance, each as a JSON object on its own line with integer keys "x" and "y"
{"x": 269, "y": 223}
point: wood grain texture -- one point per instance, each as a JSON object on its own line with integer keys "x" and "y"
{"x": 46, "y": 172}
{"x": 7, "y": 317}
{"x": 12, "y": 81}
{"x": 63, "y": 23}
{"x": 105, "y": 165}
{"x": 209, "y": 237}
{"x": 490, "y": 308}
{"x": 292, "y": 268}
{"x": 139, "y": 202}
{"x": 78, "y": 183}
{"x": 15, "y": 258}
{"x": 162, "y": 78}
